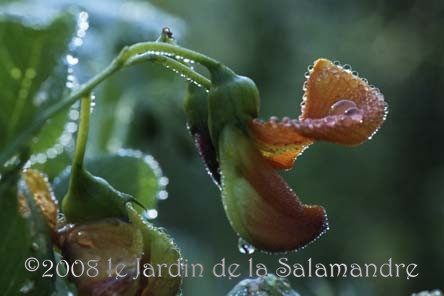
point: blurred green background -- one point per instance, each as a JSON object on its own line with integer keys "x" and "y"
{"x": 384, "y": 199}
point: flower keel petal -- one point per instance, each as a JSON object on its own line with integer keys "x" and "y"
{"x": 259, "y": 204}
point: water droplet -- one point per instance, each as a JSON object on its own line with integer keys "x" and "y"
{"x": 30, "y": 73}
{"x": 341, "y": 106}
{"x": 330, "y": 121}
{"x": 27, "y": 287}
{"x": 310, "y": 68}
{"x": 71, "y": 60}
{"x": 354, "y": 113}
{"x": 162, "y": 195}
{"x": 83, "y": 16}
{"x": 15, "y": 73}
{"x": 93, "y": 102}
{"x": 40, "y": 158}
{"x": 163, "y": 181}
{"x": 244, "y": 247}
{"x": 35, "y": 246}
{"x": 337, "y": 63}
{"x": 51, "y": 153}
{"x": 346, "y": 67}
{"x": 71, "y": 127}
{"x": 151, "y": 214}
{"x": 74, "y": 114}
{"x": 61, "y": 218}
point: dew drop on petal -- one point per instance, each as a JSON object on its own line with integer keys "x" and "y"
{"x": 346, "y": 67}
{"x": 341, "y": 106}
{"x": 354, "y": 113}
{"x": 244, "y": 247}
{"x": 61, "y": 220}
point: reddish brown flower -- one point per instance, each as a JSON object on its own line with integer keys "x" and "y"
{"x": 338, "y": 107}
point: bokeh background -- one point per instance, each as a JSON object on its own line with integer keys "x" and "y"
{"x": 384, "y": 199}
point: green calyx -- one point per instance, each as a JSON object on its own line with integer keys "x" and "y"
{"x": 196, "y": 107}
{"x": 92, "y": 198}
{"x": 196, "y": 112}
{"x": 233, "y": 99}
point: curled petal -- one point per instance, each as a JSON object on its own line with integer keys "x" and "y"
{"x": 278, "y": 143}
{"x": 338, "y": 107}
{"x": 261, "y": 207}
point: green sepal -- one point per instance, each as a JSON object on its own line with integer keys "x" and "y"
{"x": 91, "y": 198}
{"x": 196, "y": 112}
{"x": 233, "y": 99}
{"x": 159, "y": 248}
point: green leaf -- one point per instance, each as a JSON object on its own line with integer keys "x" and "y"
{"x": 62, "y": 285}
{"x": 31, "y": 70}
{"x": 129, "y": 171}
{"x": 23, "y": 238}
{"x": 159, "y": 248}
{"x": 269, "y": 285}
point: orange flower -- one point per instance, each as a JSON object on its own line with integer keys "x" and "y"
{"x": 337, "y": 107}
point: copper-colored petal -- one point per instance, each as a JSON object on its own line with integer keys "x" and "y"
{"x": 105, "y": 241}
{"x": 44, "y": 198}
{"x": 278, "y": 143}
{"x": 337, "y": 107}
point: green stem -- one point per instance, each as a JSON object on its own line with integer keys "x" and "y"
{"x": 82, "y": 135}
{"x": 172, "y": 64}
{"x": 160, "y": 47}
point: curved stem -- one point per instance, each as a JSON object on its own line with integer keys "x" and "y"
{"x": 160, "y": 47}
{"x": 82, "y": 135}
{"x": 174, "y": 65}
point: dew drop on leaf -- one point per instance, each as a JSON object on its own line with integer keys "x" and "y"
{"x": 151, "y": 214}
{"x": 27, "y": 287}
